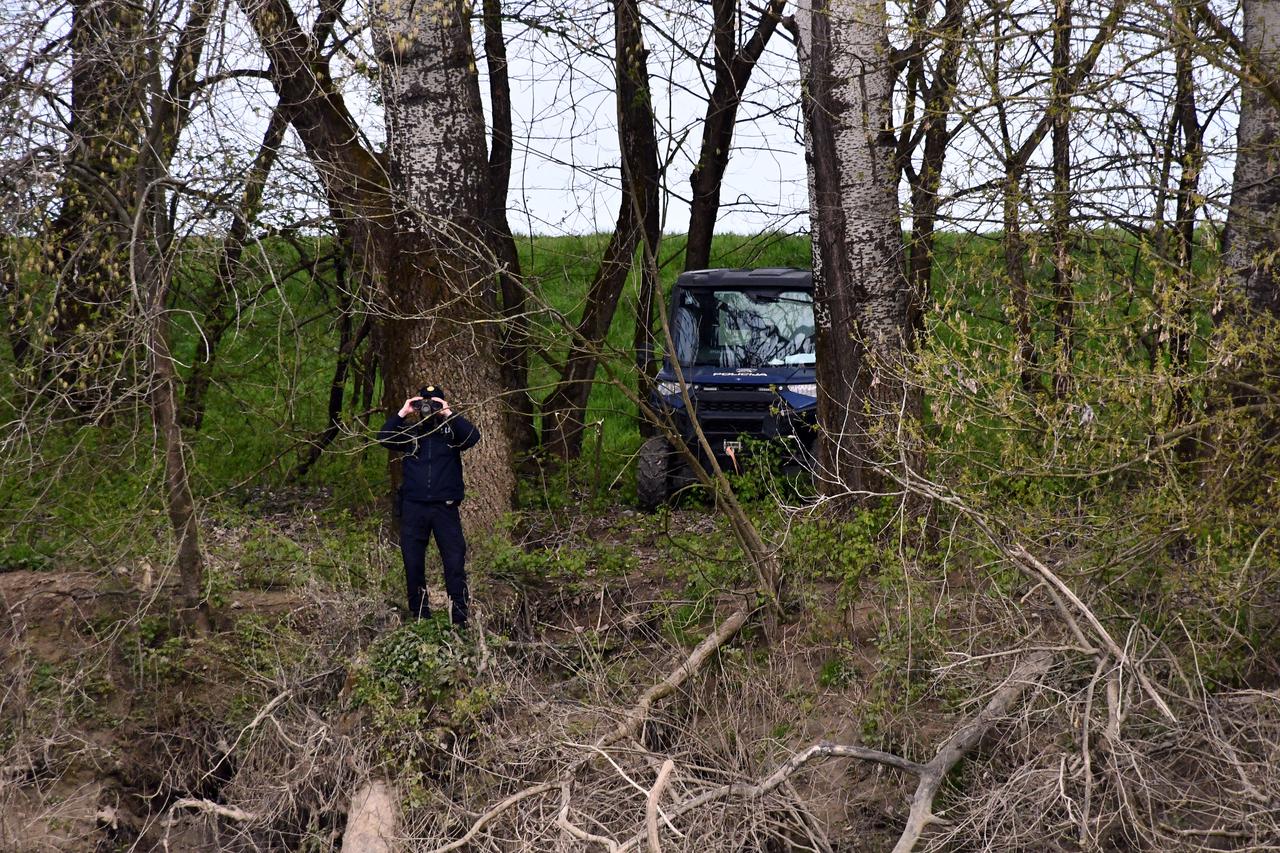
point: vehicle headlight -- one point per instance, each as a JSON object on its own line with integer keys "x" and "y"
{"x": 668, "y": 389}
{"x": 806, "y": 389}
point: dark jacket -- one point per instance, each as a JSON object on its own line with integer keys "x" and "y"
{"x": 432, "y": 455}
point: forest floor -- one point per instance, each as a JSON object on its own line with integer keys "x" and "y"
{"x": 120, "y": 731}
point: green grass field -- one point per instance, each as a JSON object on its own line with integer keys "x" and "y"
{"x": 79, "y": 484}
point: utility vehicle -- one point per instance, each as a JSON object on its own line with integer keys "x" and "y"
{"x": 744, "y": 344}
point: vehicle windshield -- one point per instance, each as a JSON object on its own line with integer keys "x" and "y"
{"x": 743, "y": 328}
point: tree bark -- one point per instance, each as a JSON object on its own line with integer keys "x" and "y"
{"x": 1187, "y": 123}
{"x": 866, "y": 406}
{"x": 111, "y": 71}
{"x": 150, "y": 271}
{"x": 1251, "y": 241}
{"x": 440, "y": 286}
{"x": 421, "y": 248}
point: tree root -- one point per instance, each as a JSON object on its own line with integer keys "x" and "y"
{"x": 931, "y": 775}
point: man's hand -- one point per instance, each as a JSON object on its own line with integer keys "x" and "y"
{"x": 408, "y": 406}
{"x": 444, "y": 407}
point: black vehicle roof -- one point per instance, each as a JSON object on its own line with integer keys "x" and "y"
{"x": 773, "y": 277}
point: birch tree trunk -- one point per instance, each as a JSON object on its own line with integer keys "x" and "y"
{"x": 1251, "y": 243}
{"x": 866, "y": 408}
{"x": 441, "y": 277}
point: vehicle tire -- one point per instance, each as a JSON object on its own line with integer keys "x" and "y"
{"x": 651, "y": 473}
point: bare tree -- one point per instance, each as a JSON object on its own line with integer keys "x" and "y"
{"x": 515, "y": 347}
{"x": 1060, "y": 110}
{"x": 935, "y": 95}
{"x": 733, "y": 65}
{"x": 415, "y": 225}
{"x": 564, "y": 410}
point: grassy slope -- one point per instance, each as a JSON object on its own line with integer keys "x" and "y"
{"x": 273, "y": 371}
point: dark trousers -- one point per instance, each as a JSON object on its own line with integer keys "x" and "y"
{"x": 418, "y": 521}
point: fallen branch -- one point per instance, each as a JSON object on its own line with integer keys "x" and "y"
{"x": 639, "y": 712}
{"x": 1026, "y": 562}
{"x": 748, "y": 791}
{"x": 651, "y": 805}
{"x": 1113, "y": 647}
{"x": 210, "y": 807}
{"x": 963, "y": 740}
{"x": 501, "y": 807}
{"x": 627, "y": 729}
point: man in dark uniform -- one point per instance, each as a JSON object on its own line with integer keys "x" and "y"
{"x": 432, "y": 441}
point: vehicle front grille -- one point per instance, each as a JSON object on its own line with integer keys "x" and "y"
{"x": 710, "y": 404}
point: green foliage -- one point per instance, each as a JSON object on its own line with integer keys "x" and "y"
{"x": 159, "y": 655}
{"x": 416, "y": 686}
{"x": 839, "y": 670}
{"x": 842, "y": 550}
{"x": 760, "y": 477}
{"x": 21, "y": 556}
{"x": 424, "y": 661}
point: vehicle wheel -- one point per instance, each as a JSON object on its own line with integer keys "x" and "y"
{"x": 651, "y": 473}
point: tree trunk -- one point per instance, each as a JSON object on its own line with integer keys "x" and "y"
{"x": 149, "y": 272}
{"x": 225, "y": 301}
{"x": 1063, "y": 289}
{"x": 349, "y": 340}
{"x": 440, "y": 284}
{"x": 866, "y": 407}
{"x": 645, "y": 346}
{"x": 1251, "y": 241}
{"x": 178, "y": 497}
{"x": 1066, "y": 85}
{"x": 1181, "y": 321}
{"x": 733, "y": 69}
{"x": 937, "y": 97}
{"x": 110, "y": 73}
{"x": 421, "y": 248}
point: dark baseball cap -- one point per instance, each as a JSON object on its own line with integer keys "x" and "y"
{"x": 430, "y": 391}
